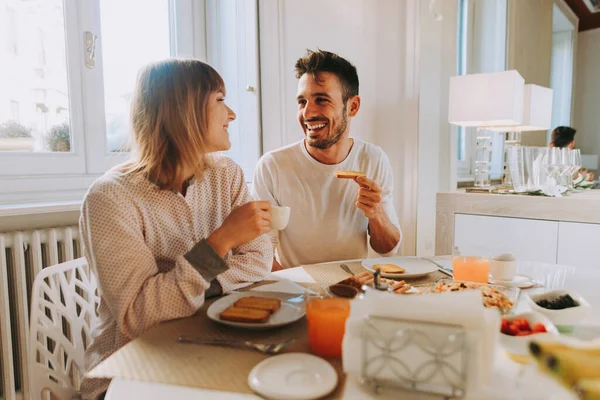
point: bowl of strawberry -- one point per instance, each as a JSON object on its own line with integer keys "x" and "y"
{"x": 516, "y": 331}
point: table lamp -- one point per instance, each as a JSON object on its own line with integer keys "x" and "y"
{"x": 485, "y": 101}
{"x": 537, "y": 116}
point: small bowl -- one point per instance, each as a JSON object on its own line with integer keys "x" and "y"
{"x": 519, "y": 345}
{"x": 564, "y": 319}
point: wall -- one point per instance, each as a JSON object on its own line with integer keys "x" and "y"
{"x": 529, "y": 48}
{"x": 437, "y": 140}
{"x": 287, "y": 29}
{"x": 380, "y": 38}
{"x": 587, "y": 92}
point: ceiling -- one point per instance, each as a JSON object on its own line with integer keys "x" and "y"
{"x": 587, "y": 19}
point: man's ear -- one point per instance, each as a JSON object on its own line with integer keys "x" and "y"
{"x": 353, "y": 105}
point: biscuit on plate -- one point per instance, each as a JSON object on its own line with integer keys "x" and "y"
{"x": 261, "y": 303}
{"x": 389, "y": 268}
{"x": 348, "y": 174}
{"x": 248, "y": 315}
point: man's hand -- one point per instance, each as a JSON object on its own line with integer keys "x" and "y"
{"x": 384, "y": 235}
{"x": 369, "y": 197}
{"x": 276, "y": 265}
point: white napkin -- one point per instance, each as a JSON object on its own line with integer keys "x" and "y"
{"x": 458, "y": 308}
{"x": 283, "y": 286}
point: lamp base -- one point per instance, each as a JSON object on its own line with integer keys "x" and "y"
{"x": 489, "y": 189}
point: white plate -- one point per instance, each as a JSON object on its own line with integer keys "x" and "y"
{"x": 293, "y": 376}
{"x": 415, "y": 267}
{"x": 519, "y": 281}
{"x": 288, "y": 313}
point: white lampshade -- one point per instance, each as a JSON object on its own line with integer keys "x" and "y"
{"x": 486, "y": 100}
{"x": 537, "y": 110}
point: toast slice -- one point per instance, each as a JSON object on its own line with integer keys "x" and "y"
{"x": 348, "y": 174}
{"x": 389, "y": 268}
{"x": 260, "y": 303}
{"x": 248, "y": 315}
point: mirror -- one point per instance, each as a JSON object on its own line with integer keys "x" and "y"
{"x": 553, "y": 44}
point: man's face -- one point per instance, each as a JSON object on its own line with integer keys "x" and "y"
{"x": 322, "y": 113}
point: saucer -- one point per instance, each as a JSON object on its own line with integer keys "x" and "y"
{"x": 519, "y": 281}
{"x": 293, "y": 376}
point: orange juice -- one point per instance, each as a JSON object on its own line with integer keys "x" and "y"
{"x": 326, "y": 320}
{"x": 470, "y": 268}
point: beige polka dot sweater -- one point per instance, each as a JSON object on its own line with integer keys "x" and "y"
{"x": 147, "y": 247}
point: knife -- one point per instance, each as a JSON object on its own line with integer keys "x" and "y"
{"x": 345, "y": 268}
{"x": 440, "y": 267}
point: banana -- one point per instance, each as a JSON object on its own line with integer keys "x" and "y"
{"x": 591, "y": 348}
{"x": 567, "y": 364}
{"x": 588, "y": 389}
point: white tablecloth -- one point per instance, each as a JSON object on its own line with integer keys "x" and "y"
{"x": 583, "y": 280}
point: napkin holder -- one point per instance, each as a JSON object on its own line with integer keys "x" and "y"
{"x": 390, "y": 346}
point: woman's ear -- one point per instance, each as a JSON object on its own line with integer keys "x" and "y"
{"x": 353, "y": 105}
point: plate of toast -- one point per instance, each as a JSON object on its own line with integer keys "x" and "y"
{"x": 400, "y": 267}
{"x": 251, "y": 310}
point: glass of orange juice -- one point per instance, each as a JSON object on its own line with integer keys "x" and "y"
{"x": 470, "y": 268}
{"x": 326, "y": 320}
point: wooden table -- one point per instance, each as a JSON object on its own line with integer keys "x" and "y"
{"x": 584, "y": 281}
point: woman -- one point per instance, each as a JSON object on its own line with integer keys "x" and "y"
{"x": 174, "y": 224}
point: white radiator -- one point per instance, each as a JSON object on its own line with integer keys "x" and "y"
{"x": 22, "y": 256}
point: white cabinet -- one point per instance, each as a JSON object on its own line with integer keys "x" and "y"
{"x": 526, "y": 239}
{"x": 579, "y": 244}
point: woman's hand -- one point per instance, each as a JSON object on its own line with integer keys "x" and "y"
{"x": 243, "y": 224}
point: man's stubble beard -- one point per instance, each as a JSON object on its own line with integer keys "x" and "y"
{"x": 327, "y": 142}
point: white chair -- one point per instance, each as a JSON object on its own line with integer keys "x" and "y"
{"x": 63, "y": 313}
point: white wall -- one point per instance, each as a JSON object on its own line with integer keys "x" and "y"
{"x": 380, "y": 38}
{"x": 587, "y": 92}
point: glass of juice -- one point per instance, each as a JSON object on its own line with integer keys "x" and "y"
{"x": 470, "y": 268}
{"x": 326, "y": 320}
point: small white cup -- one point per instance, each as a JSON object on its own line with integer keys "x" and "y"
{"x": 503, "y": 267}
{"x": 280, "y": 215}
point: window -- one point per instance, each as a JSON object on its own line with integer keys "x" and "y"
{"x": 561, "y": 68}
{"x": 481, "y": 48}
{"x": 73, "y": 75}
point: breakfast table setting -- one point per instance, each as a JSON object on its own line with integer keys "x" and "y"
{"x": 417, "y": 344}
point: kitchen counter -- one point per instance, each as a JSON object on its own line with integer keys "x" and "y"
{"x": 582, "y": 207}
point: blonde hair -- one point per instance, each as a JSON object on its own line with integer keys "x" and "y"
{"x": 169, "y": 116}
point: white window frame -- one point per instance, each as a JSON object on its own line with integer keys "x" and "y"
{"x": 56, "y": 177}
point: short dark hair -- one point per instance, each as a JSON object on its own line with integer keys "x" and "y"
{"x": 318, "y": 61}
{"x": 562, "y": 136}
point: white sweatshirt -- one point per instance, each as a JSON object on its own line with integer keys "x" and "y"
{"x": 324, "y": 224}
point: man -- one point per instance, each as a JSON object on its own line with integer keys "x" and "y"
{"x": 563, "y": 136}
{"x": 331, "y": 218}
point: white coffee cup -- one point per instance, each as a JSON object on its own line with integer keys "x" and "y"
{"x": 503, "y": 267}
{"x": 280, "y": 215}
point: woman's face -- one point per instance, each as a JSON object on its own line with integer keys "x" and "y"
{"x": 219, "y": 117}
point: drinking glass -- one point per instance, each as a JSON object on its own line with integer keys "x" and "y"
{"x": 534, "y": 156}
{"x": 524, "y": 165}
{"x": 564, "y": 166}
{"x": 470, "y": 268}
{"x": 550, "y": 164}
{"x": 326, "y": 319}
{"x": 575, "y": 165}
